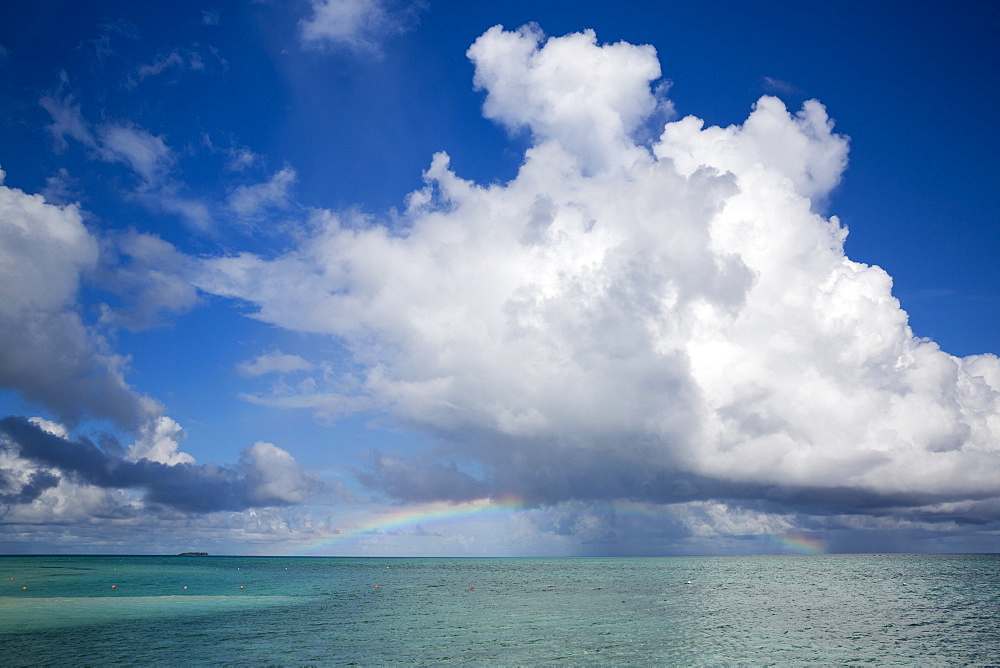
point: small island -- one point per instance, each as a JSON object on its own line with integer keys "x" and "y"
{"x": 192, "y": 554}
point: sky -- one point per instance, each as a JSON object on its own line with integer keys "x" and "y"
{"x": 388, "y": 278}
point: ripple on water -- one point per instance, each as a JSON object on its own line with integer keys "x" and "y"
{"x": 669, "y": 611}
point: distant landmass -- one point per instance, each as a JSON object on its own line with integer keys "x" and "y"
{"x": 193, "y": 554}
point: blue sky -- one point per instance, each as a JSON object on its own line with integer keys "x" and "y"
{"x": 372, "y": 277}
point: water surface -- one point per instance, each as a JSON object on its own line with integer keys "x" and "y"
{"x": 772, "y": 610}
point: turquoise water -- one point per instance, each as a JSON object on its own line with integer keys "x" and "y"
{"x": 773, "y": 610}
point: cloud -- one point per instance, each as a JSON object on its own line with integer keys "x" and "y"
{"x": 809, "y": 153}
{"x": 421, "y": 481}
{"x": 249, "y": 201}
{"x": 325, "y": 406}
{"x": 273, "y": 362}
{"x": 47, "y": 353}
{"x": 275, "y": 477}
{"x": 586, "y": 98}
{"x": 61, "y": 188}
{"x": 175, "y": 58}
{"x": 240, "y": 158}
{"x": 196, "y": 213}
{"x": 194, "y": 58}
{"x": 327, "y": 396}
{"x": 148, "y": 274}
{"x": 67, "y": 121}
{"x": 778, "y": 86}
{"x": 101, "y": 45}
{"x": 667, "y": 322}
{"x": 358, "y": 25}
{"x": 145, "y": 153}
{"x": 120, "y": 27}
{"x": 265, "y": 476}
{"x": 106, "y": 522}
{"x": 50, "y": 427}
{"x": 158, "y": 441}
{"x": 119, "y": 498}
{"x": 148, "y": 156}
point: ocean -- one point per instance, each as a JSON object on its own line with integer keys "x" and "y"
{"x": 921, "y": 610}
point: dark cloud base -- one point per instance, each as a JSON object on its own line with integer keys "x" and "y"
{"x": 573, "y": 477}
{"x": 189, "y": 488}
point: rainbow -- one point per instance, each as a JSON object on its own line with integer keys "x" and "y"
{"x": 801, "y": 543}
{"x": 411, "y": 516}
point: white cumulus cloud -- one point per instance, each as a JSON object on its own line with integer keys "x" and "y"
{"x": 589, "y": 99}
{"x": 275, "y": 476}
{"x": 159, "y": 441}
{"x": 47, "y": 353}
{"x": 665, "y": 322}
